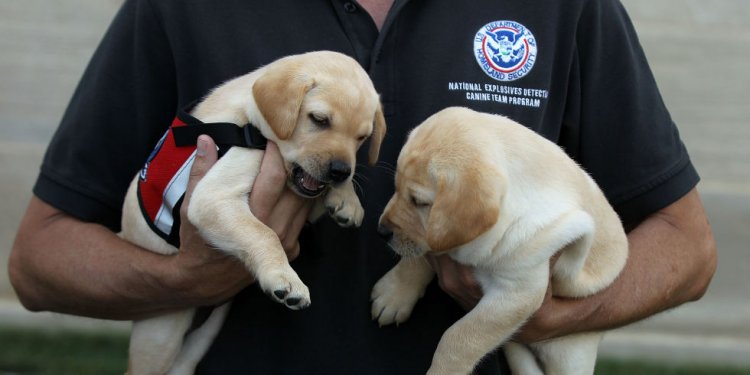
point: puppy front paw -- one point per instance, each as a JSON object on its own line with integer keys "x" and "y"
{"x": 344, "y": 208}
{"x": 393, "y": 300}
{"x": 285, "y": 287}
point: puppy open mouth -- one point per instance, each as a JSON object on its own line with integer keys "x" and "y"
{"x": 305, "y": 184}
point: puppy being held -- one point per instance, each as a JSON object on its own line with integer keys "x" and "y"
{"x": 496, "y": 196}
{"x": 318, "y": 108}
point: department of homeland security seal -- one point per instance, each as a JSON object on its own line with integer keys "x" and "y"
{"x": 505, "y": 50}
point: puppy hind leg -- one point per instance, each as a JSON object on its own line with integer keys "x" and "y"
{"x": 521, "y": 360}
{"x": 156, "y": 342}
{"x": 574, "y": 274}
{"x": 197, "y": 342}
{"x": 569, "y": 355}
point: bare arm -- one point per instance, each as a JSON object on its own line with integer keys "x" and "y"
{"x": 59, "y": 263}
{"x": 672, "y": 260}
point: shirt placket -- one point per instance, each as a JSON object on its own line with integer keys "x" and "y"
{"x": 373, "y": 49}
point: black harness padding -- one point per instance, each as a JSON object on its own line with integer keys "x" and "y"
{"x": 223, "y": 133}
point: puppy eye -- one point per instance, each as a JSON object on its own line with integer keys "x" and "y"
{"x": 320, "y": 121}
{"x": 362, "y": 138}
{"x": 418, "y": 203}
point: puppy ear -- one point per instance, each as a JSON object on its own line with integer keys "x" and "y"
{"x": 467, "y": 204}
{"x": 378, "y": 133}
{"x": 279, "y": 93}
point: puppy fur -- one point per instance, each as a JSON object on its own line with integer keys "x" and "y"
{"x": 496, "y": 196}
{"x": 319, "y": 108}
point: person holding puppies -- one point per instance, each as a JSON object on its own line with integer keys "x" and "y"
{"x": 571, "y": 71}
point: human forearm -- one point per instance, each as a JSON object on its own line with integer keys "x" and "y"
{"x": 61, "y": 264}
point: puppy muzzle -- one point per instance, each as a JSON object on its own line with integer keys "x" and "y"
{"x": 385, "y": 232}
{"x": 338, "y": 171}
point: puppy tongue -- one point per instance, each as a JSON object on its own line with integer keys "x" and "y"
{"x": 310, "y": 183}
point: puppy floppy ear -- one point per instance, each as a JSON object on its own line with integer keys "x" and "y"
{"x": 467, "y": 204}
{"x": 279, "y": 93}
{"x": 378, "y": 133}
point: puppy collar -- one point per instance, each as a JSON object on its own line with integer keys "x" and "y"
{"x": 186, "y": 129}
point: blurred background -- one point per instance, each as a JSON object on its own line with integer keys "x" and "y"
{"x": 699, "y": 51}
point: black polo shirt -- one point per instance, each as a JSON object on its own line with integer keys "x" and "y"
{"x": 571, "y": 70}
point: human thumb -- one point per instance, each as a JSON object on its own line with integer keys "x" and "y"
{"x": 205, "y": 157}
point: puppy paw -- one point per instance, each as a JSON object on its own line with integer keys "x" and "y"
{"x": 285, "y": 287}
{"x": 393, "y": 300}
{"x": 344, "y": 208}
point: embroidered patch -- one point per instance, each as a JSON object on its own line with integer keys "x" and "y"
{"x": 144, "y": 171}
{"x": 505, "y": 50}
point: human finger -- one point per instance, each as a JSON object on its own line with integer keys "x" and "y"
{"x": 206, "y": 156}
{"x": 457, "y": 280}
{"x": 269, "y": 183}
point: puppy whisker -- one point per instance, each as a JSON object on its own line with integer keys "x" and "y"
{"x": 358, "y": 187}
{"x": 388, "y": 167}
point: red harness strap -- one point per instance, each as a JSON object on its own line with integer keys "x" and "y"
{"x": 163, "y": 179}
{"x": 162, "y": 184}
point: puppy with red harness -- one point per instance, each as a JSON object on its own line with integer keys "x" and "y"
{"x": 318, "y": 108}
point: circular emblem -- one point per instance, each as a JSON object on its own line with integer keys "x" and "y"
{"x": 151, "y": 156}
{"x": 505, "y": 50}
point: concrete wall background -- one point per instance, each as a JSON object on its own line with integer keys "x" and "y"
{"x": 699, "y": 51}
{"x": 45, "y": 48}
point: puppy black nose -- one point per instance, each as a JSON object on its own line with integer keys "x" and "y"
{"x": 339, "y": 171}
{"x": 385, "y": 232}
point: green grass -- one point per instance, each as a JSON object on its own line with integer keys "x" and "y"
{"x": 63, "y": 352}
{"x": 59, "y": 352}
{"x": 608, "y": 366}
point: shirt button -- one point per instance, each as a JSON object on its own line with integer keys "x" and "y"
{"x": 350, "y": 7}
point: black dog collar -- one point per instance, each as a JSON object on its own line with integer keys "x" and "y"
{"x": 225, "y": 134}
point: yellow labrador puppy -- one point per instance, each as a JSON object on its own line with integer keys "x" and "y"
{"x": 318, "y": 108}
{"x": 496, "y": 196}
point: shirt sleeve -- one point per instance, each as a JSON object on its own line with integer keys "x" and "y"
{"x": 627, "y": 139}
{"x": 122, "y": 105}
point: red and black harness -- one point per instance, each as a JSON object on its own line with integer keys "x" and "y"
{"x": 163, "y": 179}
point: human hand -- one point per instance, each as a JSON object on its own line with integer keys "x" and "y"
{"x": 556, "y": 317}
{"x": 457, "y": 280}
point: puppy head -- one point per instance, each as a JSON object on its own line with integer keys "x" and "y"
{"x": 447, "y": 191}
{"x": 320, "y": 108}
